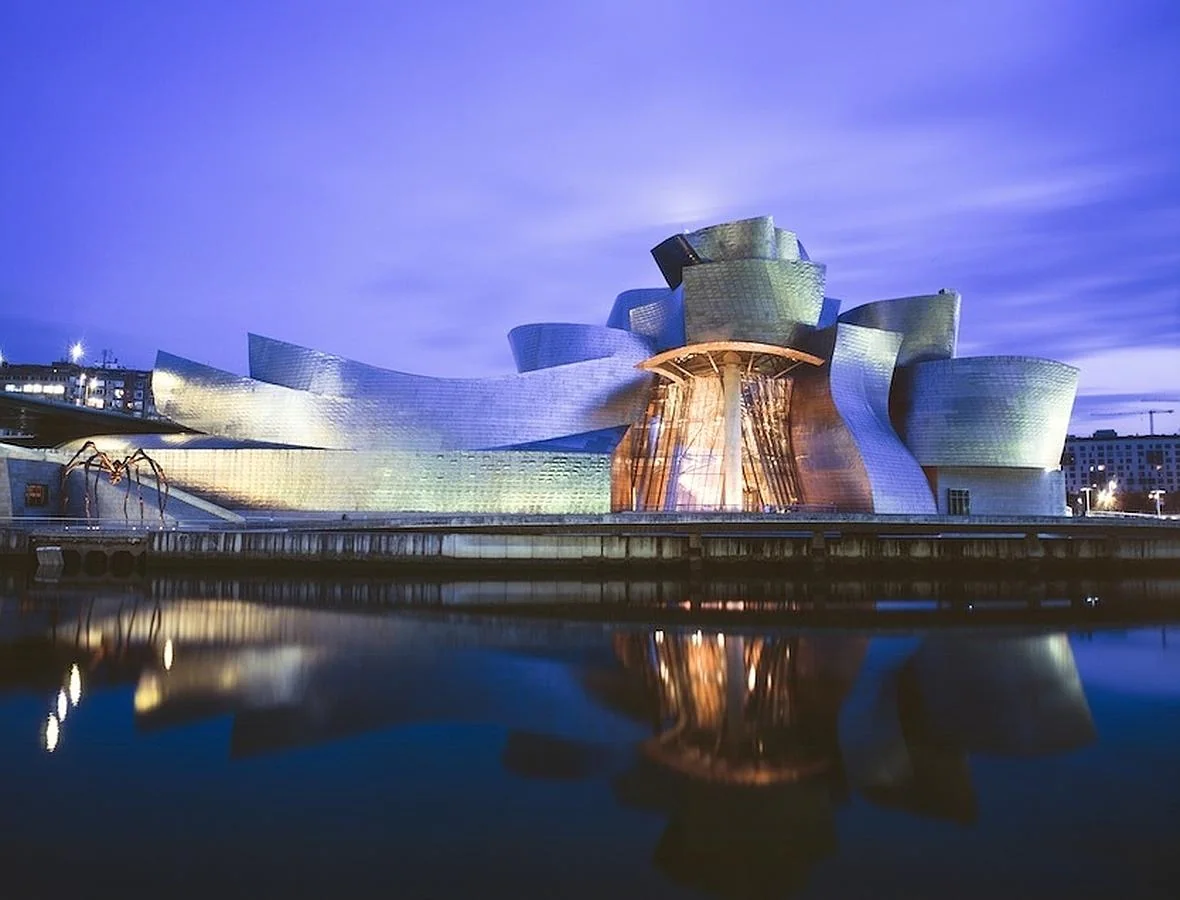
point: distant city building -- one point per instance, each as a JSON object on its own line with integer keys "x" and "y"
{"x": 106, "y": 387}
{"x": 1137, "y": 464}
{"x": 737, "y": 387}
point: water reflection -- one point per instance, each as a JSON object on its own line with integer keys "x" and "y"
{"x": 745, "y": 759}
{"x": 745, "y": 743}
{"x": 758, "y": 738}
{"x": 743, "y": 710}
{"x": 920, "y": 707}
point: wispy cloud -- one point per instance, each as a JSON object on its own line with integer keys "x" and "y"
{"x": 404, "y": 184}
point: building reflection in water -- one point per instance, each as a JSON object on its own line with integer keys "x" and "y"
{"x": 746, "y": 743}
{"x": 758, "y": 738}
{"x": 744, "y": 710}
{"x": 745, "y": 757}
{"x": 297, "y": 677}
{"x": 922, "y": 706}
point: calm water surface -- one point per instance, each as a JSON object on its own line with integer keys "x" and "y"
{"x": 219, "y": 748}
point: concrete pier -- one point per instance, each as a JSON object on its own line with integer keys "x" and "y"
{"x": 790, "y": 544}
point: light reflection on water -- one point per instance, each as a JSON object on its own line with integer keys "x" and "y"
{"x": 719, "y": 761}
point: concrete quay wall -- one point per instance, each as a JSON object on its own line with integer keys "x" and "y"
{"x": 647, "y": 549}
{"x": 613, "y": 543}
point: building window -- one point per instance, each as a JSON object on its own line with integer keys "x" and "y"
{"x": 958, "y": 502}
{"x": 36, "y": 494}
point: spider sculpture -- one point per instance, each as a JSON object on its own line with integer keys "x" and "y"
{"x": 126, "y": 470}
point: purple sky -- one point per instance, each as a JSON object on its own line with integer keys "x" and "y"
{"x": 404, "y": 182}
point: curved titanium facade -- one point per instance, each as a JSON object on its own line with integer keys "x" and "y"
{"x": 544, "y": 345}
{"x": 312, "y": 399}
{"x": 744, "y": 239}
{"x": 999, "y": 491}
{"x": 662, "y": 321}
{"x": 673, "y": 256}
{"x": 861, "y": 373}
{"x": 747, "y": 281}
{"x": 769, "y": 301}
{"x": 929, "y": 325}
{"x": 788, "y": 245}
{"x": 1009, "y": 411}
{"x": 620, "y": 313}
{"x": 654, "y": 313}
{"x": 756, "y": 238}
{"x": 460, "y": 481}
{"x": 827, "y": 458}
{"x": 882, "y": 412}
{"x": 829, "y": 313}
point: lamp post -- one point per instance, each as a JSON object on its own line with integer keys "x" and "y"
{"x": 1096, "y": 473}
{"x": 1157, "y": 495}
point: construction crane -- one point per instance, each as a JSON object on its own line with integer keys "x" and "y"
{"x": 1150, "y": 413}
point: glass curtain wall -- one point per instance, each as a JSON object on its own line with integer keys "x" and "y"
{"x": 675, "y": 458}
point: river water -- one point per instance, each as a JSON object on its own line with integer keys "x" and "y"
{"x": 162, "y": 742}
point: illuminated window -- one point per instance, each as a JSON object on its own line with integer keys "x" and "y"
{"x": 958, "y": 502}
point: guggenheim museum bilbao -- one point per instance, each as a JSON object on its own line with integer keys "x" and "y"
{"x": 739, "y": 386}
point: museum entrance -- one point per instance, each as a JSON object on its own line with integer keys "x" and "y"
{"x": 715, "y": 435}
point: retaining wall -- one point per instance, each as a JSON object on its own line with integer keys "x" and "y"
{"x": 610, "y": 543}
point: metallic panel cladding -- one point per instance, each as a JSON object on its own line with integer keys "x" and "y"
{"x": 620, "y": 312}
{"x": 662, "y": 321}
{"x": 314, "y": 399}
{"x": 391, "y": 481}
{"x": 129, "y": 443}
{"x": 861, "y": 374}
{"x": 827, "y": 459}
{"x": 1008, "y": 411}
{"x": 787, "y": 245}
{"x": 829, "y": 313}
{"x": 521, "y": 442}
{"x": 770, "y": 301}
{"x": 544, "y": 345}
{"x": 1007, "y": 491}
{"x": 744, "y": 239}
{"x": 756, "y": 238}
{"x": 603, "y": 441}
{"x": 929, "y": 324}
{"x": 673, "y": 256}
{"x": 656, "y": 313}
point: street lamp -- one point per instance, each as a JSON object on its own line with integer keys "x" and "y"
{"x": 1108, "y": 496}
{"x": 1157, "y": 495}
{"x": 76, "y": 351}
{"x": 1096, "y": 473}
